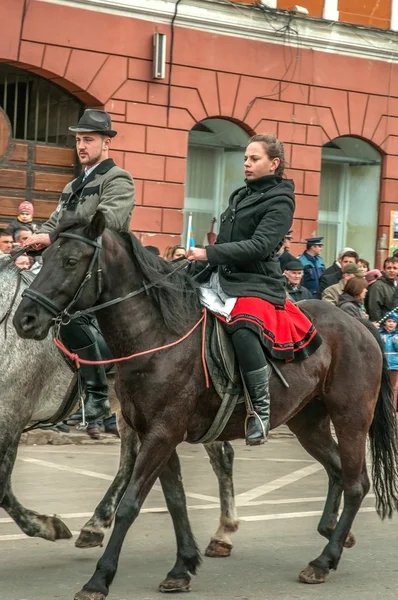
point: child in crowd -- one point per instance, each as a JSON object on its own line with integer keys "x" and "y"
{"x": 389, "y": 335}
{"x": 25, "y": 218}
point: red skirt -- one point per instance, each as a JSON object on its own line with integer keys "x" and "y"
{"x": 285, "y": 332}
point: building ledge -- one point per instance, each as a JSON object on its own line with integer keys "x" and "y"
{"x": 251, "y": 22}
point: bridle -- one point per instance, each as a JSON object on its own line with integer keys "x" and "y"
{"x": 63, "y": 317}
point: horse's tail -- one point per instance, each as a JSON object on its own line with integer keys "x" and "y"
{"x": 384, "y": 441}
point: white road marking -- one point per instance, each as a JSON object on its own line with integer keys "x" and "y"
{"x": 163, "y": 509}
{"x": 271, "y": 517}
{"x": 276, "y": 484}
{"x": 296, "y": 515}
{"x": 78, "y": 452}
{"x": 96, "y": 475}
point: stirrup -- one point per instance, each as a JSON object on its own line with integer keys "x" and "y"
{"x": 264, "y": 438}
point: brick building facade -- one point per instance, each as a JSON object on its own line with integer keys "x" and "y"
{"x": 308, "y": 85}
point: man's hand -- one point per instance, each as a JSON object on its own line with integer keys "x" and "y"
{"x": 37, "y": 241}
{"x": 197, "y": 254}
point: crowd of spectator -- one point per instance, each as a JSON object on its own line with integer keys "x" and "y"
{"x": 350, "y": 285}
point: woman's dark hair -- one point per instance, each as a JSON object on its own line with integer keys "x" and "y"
{"x": 364, "y": 262}
{"x": 274, "y": 149}
{"x": 355, "y": 286}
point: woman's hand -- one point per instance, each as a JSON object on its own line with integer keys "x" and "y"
{"x": 197, "y": 254}
{"x": 37, "y": 241}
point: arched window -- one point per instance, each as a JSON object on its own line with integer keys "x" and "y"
{"x": 38, "y": 110}
{"x": 214, "y": 169}
{"x": 349, "y": 197}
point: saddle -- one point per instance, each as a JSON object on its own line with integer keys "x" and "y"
{"x": 224, "y": 372}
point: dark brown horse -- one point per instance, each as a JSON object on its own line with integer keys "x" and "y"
{"x": 164, "y": 397}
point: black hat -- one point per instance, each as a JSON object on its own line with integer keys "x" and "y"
{"x": 294, "y": 265}
{"x": 94, "y": 120}
{"x": 314, "y": 241}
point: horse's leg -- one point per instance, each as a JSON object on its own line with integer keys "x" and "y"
{"x": 312, "y": 429}
{"x": 92, "y": 533}
{"x": 351, "y": 430}
{"x": 48, "y": 527}
{"x": 221, "y": 456}
{"x": 178, "y": 579}
{"x": 153, "y": 456}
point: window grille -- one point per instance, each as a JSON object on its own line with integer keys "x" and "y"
{"x": 38, "y": 110}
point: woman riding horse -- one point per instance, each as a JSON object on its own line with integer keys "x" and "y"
{"x": 244, "y": 286}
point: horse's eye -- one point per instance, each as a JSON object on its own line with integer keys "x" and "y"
{"x": 71, "y": 262}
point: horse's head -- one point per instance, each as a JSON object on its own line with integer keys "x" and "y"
{"x": 69, "y": 279}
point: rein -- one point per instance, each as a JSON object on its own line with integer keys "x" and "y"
{"x": 78, "y": 361}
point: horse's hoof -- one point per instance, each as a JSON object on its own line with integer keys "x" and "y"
{"x": 350, "y": 540}
{"x": 86, "y": 595}
{"x": 170, "y": 584}
{"x": 89, "y": 539}
{"x": 218, "y": 549}
{"x": 52, "y": 529}
{"x": 312, "y": 575}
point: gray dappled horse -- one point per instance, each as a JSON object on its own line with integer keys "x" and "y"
{"x": 34, "y": 379}
{"x": 163, "y": 395}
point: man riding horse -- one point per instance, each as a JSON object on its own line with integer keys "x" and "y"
{"x": 245, "y": 287}
{"x": 102, "y": 185}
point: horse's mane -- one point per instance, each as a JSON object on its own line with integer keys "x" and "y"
{"x": 8, "y": 265}
{"x": 174, "y": 292}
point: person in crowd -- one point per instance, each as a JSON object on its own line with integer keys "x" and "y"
{"x": 101, "y": 185}
{"x": 6, "y": 241}
{"x": 294, "y": 274}
{"x": 243, "y": 284}
{"x": 177, "y": 252}
{"x": 371, "y": 277}
{"x": 353, "y": 297}
{"x": 153, "y": 250}
{"x": 381, "y": 293}
{"x": 363, "y": 264}
{"x": 25, "y": 218}
{"x": 333, "y": 292}
{"x": 23, "y": 262}
{"x": 21, "y": 234}
{"x": 313, "y": 264}
{"x": 332, "y": 276}
{"x": 336, "y": 266}
{"x": 389, "y": 337}
{"x": 284, "y": 253}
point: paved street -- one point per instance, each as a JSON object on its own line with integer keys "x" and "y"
{"x": 280, "y": 491}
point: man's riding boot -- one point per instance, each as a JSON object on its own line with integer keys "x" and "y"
{"x": 96, "y": 402}
{"x": 257, "y": 426}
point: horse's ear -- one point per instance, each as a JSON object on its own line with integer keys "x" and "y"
{"x": 97, "y": 226}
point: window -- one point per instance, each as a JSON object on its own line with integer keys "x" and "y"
{"x": 214, "y": 171}
{"x": 38, "y": 110}
{"x": 348, "y": 205}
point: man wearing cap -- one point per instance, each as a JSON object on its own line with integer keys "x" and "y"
{"x": 294, "y": 274}
{"x": 313, "y": 264}
{"x": 284, "y": 254}
{"x": 333, "y": 292}
{"x": 101, "y": 185}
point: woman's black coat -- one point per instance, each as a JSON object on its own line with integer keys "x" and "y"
{"x": 252, "y": 229}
